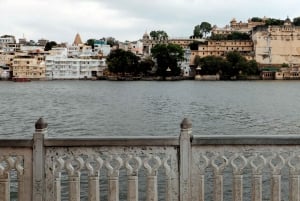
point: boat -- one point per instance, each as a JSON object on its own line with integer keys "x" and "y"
{"x": 21, "y": 79}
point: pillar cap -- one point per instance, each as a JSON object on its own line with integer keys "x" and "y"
{"x": 41, "y": 124}
{"x": 186, "y": 124}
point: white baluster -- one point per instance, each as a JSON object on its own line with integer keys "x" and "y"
{"x": 113, "y": 177}
{"x": 202, "y": 166}
{"x": 238, "y": 176}
{"x": 276, "y": 176}
{"x": 218, "y": 176}
{"x": 152, "y": 194}
{"x": 58, "y": 166}
{"x": 294, "y": 177}
{"x": 132, "y": 173}
{"x": 74, "y": 178}
{"x": 257, "y": 176}
{"x": 94, "y": 173}
{"x": 169, "y": 178}
{"x": 20, "y": 173}
{"x": 5, "y": 177}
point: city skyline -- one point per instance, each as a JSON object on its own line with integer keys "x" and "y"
{"x": 60, "y": 20}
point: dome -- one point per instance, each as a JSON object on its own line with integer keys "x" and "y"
{"x": 146, "y": 36}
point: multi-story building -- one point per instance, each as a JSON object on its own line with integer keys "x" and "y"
{"x": 30, "y": 67}
{"x": 220, "y": 48}
{"x": 277, "y": 45}
{"x": 235, "y": 26}
{"x": 63, "y": 67}
{"x": 6, "y": 39}
{"x": 6, "y": 59}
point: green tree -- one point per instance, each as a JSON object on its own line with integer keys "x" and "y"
{"x": 273, "y": 21}
{"x": 205, "y": 28}
{"x": 121, "y": 61}
{"x": 167, "y": 55}
{"x": 111, "y": 41}
{"x": 146, "y": 65}
{"x": 238, "y": 65}
{"x": 159, "y": 35}
{"x": 197, "y": 32}
{"x": 211, "y": 65}
{"x": 256, "y": 19}
{"x": 91, "y": 42}
{"x": 296, "y": 21}
{"x": 50, "y": 45}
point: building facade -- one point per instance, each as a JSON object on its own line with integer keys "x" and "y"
{"x": 220, "y": 48}
{"x": 31, "y": 67}
{"x": 61, "y": 67}
{"x": 277, "y": 45}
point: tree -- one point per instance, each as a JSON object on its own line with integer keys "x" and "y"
{"x": 211, "y": 65}
{"x": 146, "y": 65}
{"x": 256, "y": 19}
{"x": 273, "y": 21}
{"x": 159, "y": 35}
{"x": 202, "y": 30}
{"x": 205, "y": 28}
{"x": 91, "y": 42}
{"x": 111, "y": 41}
{"x": 296, "y": 21}
{"x": 50, "y": 45}
{"x": 121, "y": 61}
{"x": 238, "y": 65}
{"x": 197, "y": 32}
{"x": 167, "y": 56}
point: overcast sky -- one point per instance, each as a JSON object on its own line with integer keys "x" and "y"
{"x": 60, "y": 20}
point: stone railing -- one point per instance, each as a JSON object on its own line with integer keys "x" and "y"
{"x": 150, "y": 168}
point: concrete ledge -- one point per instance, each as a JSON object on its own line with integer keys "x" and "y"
{"x": 16, "y": 143}
{"x": 246, "y": 140}
{"x": 112, "y": 141}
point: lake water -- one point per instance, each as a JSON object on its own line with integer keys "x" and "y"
{"x": 107, "y": 108}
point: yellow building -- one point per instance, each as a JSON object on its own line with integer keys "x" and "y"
{"x": 31, "y": 67}
{"x": 235, "y": 26}
{"x": 220, "y": 48}
{"x": 6, "y": 59}
{"x": 277, "y": 45}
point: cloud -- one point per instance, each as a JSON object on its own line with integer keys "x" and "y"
{"x": 60, "y": 20}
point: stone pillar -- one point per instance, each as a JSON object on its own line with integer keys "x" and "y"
{"x": 185, "y": 160}
{"x": 38, "y": 159}
{"x": 4, "y": 186}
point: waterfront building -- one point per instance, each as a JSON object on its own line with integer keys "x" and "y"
{"x": 28, "y": 66}
{"x": 6, "y": 59}
{"x": 277, "y": 45}
{"x": 185, "y": 63}
{"x": 221, "y": 47}
{"x": 60, "y": 66}
{"x": 292, "y": 73}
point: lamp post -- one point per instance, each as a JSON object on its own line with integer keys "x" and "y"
{"x": 198, "y": 76}
{"x": 168, "y": 73}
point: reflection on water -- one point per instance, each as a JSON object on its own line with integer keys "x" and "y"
{"x": 103, "y": 108}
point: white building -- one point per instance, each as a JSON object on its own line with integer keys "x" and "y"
{"x": 185, "y": 64}
{"x": 62, "y": 67}
{"x": 6, "y": 39}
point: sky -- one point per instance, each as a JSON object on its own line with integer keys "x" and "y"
{"x": 60, "y": 20}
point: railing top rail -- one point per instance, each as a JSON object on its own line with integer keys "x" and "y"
{"x": 246, "y": 140}
{"x": 113, "y": 141}
{"x": 16, "y": 142}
